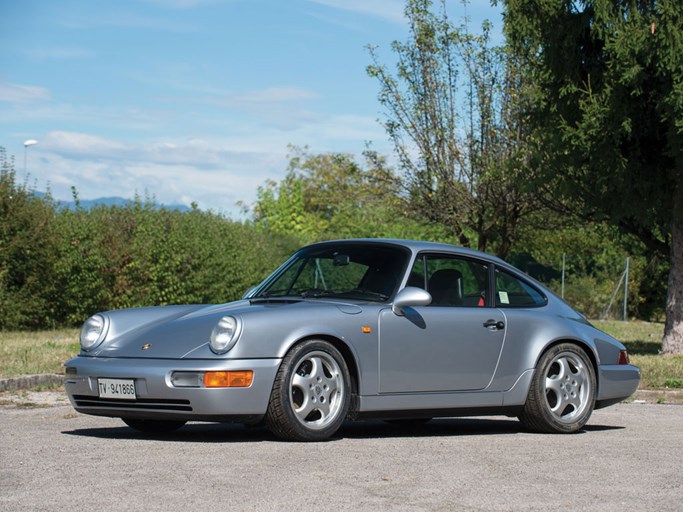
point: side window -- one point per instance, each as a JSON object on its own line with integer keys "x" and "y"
{"x": 451, "y": 281}
{"x": 513, "y": 292}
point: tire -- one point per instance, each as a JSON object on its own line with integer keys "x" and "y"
{"x": 154, "y": 426}
{"x": 562, "y": 393}
{"x": 311, "y": 393}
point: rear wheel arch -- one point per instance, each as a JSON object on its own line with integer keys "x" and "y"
{"x": 563, "y": 390}
{"x": 583, "y": 346}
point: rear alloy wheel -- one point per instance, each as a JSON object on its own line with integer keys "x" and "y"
{"x": 154, "y": 426}
{"x": 562, "y": 393}
{"x": 311, "y": 394}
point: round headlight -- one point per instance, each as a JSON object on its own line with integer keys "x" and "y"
{"x": 225, "y": 334}
{"x": 93, "y": 332}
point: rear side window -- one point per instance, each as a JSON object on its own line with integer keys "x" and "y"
{"x": 513, "y": 292}
{"x": 451, "y": 281}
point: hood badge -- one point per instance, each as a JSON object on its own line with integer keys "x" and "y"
{"x": 146, "y": 346}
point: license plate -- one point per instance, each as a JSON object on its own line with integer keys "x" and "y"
{"x": 123, "y": 389}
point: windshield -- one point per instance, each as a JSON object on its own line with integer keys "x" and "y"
{"x": 349, "y": 271}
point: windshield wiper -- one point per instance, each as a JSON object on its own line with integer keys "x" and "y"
{"x": 316, "y": 292}
{"x": 364, "y": 291}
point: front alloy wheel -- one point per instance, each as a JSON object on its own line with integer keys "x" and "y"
{"x": 311, "y": 396}
{"x": 562, "y": 393}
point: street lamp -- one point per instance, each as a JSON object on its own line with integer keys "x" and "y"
{"x": 28, "y": 143}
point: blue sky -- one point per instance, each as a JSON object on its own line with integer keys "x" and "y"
{"x": 190, "y": 100}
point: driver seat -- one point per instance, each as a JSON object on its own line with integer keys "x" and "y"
{"x": 445, "y": 286}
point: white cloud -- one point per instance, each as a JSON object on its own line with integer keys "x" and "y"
{"x": 388, "y": 10}
{"x": 214, "y": 172}
{"x": 283, "y": 108}
{"x": 184, "y": 4}
{"x": 81, "y": 144}
{"x": 276, "y": 95}
{"x": 59, "y": 53}
{"x": 16, "y": 93}
{"x": 128, "y": 21}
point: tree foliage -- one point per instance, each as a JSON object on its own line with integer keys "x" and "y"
{"x": 330, "y": 195}
{"x": 452, "y": 111}
{"x": 59, "y": 266}
{"x": 27, "y": 244}
{"x": 607, "y": 104}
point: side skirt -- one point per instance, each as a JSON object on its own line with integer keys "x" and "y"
{"x": 440, "y": 413}
{"x": 446, "y": 403}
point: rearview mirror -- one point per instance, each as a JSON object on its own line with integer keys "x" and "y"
{"x": 410, "y": 296}
{"x": 341, "y": 260}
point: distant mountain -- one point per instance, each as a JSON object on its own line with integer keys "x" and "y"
{"x": 110, "y": 201}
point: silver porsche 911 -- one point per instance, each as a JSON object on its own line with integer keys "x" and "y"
{"x": 355, "y": 329}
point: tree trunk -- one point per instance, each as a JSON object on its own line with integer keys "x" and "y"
{"x": 672, "y": 342}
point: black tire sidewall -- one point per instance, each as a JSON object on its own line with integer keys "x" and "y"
{"x": 542, "y": 418}
{"x": 286, "y": 425}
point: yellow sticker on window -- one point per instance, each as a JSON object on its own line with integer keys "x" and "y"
{"x": 503, "y": 296}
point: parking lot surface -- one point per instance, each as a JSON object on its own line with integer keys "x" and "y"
{"x": 629, "y": 457}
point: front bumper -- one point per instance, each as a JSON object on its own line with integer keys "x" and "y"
{"x": 158, "y": 398}
{"x": 617, "y": 383}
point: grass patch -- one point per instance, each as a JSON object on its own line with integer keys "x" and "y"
{"x": 644, "y": 342}
{"x": 658, "y": 372}
{"x": 27, "y": 353}
{"x": 640, "y": 338}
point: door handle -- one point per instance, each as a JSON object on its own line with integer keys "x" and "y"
{"x": 499, "y": 325}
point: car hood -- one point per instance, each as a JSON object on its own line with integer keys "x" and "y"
{"x": 177, "y": 332}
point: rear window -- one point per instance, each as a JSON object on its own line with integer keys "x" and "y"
{"x": 513, "y": 292}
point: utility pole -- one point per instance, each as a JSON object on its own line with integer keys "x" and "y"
{"x": 628, "y": 260}
{"x": 563, "y": 254}
{"x": 27, "y": 143}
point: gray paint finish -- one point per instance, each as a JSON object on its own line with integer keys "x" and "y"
{"x": 414, "y": 358}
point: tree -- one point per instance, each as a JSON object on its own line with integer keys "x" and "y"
{"x": 452, "y": 113}
{"x": 607, "y": 106}
{"x": 28, "y": 290}
{"x": 330, "y": 195}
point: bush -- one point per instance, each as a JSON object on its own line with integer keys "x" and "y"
{"x": 140, "y": 255}
{"x": 28, "y": 243}
{"x": 59, "y": 266}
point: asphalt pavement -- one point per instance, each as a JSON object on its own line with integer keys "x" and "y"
{"x": 629, "y": 457}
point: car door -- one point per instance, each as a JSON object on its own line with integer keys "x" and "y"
{"x": 451, "y": 345}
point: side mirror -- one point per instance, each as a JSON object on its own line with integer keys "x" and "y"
{"x": 410, "y": 296}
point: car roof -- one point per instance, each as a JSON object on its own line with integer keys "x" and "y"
{"x": 420, "y": 246}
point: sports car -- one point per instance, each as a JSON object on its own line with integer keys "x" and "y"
{"x": 354, "y": 329}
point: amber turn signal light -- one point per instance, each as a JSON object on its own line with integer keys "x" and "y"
{"x": 240, "y": 379}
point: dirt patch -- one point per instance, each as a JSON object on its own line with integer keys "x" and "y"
{"x": 24, "y": 399}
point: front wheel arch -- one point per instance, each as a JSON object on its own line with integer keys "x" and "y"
{"x": 349, "y": 359}
{"x": 311, "y": 394}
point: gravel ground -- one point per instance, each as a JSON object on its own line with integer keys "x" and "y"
{"x": 51, "y": 458}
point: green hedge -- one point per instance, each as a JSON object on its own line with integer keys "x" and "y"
{"x": 58, "y": 266}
